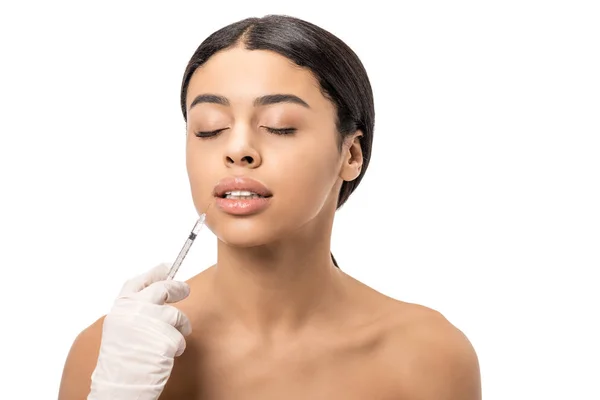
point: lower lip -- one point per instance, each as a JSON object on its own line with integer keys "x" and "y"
{"x": 243, "y": 206}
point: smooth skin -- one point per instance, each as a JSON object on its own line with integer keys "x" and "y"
{"x": 274, "y": 319}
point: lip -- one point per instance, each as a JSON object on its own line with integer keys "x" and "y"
{"x": 241, "y": 183}
{"x": 242, "y": 206}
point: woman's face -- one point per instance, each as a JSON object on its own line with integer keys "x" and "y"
{"x": 259, "y": 123}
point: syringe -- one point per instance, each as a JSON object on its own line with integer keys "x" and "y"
{"x": 186, "y": 246}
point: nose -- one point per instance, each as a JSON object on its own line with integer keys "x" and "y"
{"x": 241, "y": 152}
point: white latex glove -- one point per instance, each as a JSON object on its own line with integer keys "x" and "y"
{"x": 141, "y": 336}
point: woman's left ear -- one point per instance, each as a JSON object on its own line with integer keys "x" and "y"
{"x": 352, "y": 157}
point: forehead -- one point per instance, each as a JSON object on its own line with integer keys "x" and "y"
{"x": 241, "y": 75}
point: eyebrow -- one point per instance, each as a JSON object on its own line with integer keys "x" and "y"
{"x": 259, "y": 101}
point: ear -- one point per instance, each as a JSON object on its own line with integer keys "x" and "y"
{"x": 352, "y": 157}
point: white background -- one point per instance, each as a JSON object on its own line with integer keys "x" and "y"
{"x": 482, "y": 199}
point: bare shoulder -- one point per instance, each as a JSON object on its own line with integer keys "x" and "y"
{"x": 426, "y": 356}
{"x": 80, "y": 363}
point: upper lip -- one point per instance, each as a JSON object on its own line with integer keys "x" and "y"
{"x": 241, "y": 183}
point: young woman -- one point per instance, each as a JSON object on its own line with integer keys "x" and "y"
{"x": 280, "y": 123}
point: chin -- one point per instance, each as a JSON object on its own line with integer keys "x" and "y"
{"x": 251, "y": 231}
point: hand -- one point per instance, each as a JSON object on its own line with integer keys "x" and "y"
{"x": 141, "y": 336}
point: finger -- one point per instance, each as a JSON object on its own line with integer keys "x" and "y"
{"x": 180, "y": 347}
{"x": 138, "y": 283}
{"x": 164, "y": 320}
{"x": 176, "y": 318}
{"x": 165, "y": 313}
{"x": 163, "y": 292}
{"x": 172, "y": 316}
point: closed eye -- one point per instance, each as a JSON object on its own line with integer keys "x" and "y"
{"x": 208, "y": 134}
{"x": 280, "y": 131}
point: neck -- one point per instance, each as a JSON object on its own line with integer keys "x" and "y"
{"x": 280, "y": 286}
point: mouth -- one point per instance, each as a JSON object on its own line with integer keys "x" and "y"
{"x": 241, "y": 188}
{"x": 242, "y": 195}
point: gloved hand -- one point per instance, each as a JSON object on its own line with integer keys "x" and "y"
{"x": 141, "y": 336}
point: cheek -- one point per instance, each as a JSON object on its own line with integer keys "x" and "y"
{"x": 200, "y": 178}
{"x": 307, "y": 181}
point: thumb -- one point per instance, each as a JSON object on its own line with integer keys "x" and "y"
{"x": 156, "y": 274}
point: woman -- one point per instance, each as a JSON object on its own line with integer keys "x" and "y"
{"x": 280, "y": 122}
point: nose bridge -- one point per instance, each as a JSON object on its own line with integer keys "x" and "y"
{"x": 242, "y": 147}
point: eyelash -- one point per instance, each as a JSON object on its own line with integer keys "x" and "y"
{"x": 208, "y": 135}
{"x": 278, "y": 131}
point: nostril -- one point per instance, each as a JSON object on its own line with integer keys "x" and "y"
{"x": 244, "y": 160}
